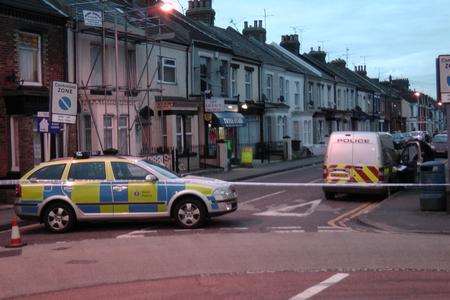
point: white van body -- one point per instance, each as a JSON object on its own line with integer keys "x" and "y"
{"x": 358, "y": 157}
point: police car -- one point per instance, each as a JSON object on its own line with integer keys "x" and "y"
{"x": 85, "y": 188}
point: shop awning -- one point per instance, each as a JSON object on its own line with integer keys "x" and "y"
{"x": 228, "y": 119}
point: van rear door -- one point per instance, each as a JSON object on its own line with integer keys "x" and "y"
{"x": 366, "y": 157}
{"x": 339, "y": 158}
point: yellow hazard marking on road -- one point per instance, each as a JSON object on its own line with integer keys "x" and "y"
{"x": 336, "y": 220}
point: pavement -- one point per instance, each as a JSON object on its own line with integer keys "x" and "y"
{"x": 239, "y": 174}
{"x": 401, "y": 213}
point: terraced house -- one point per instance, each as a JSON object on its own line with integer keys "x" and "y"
{"x": 33, "y": 53}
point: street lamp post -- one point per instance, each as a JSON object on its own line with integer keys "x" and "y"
{"x": 419, "y": 119}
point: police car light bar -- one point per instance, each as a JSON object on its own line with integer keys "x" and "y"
{"x": 81, "y": 155}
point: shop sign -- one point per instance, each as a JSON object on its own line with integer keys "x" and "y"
{"x": 164, "y": 105}
{"x": 214, "y": 104}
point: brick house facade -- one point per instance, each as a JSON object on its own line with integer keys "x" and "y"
{"x": 32, "y": 41}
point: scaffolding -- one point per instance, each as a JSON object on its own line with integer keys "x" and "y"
{"x": 127, "y": 23}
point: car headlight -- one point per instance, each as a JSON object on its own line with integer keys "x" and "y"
{"x": 224, "y": 193}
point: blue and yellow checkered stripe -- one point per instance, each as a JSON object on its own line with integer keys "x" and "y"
{"x": 95, "y": 197}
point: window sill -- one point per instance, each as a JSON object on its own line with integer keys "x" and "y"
{"x": 29, "y": 83}
{"x": 168, "y": 83}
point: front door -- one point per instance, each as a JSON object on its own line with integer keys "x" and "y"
{"x": 90, "y": 190}
{"x": 134, "y": 194}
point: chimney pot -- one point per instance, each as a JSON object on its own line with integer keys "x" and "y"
{"x": 260, "y": 23}
{"x": 245, "y": 24}
{"x": 319, "y": 48}
{"x": 255, "y": 23}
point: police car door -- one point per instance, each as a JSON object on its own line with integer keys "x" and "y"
{"x": 90, "y": 188}
{"x": 132, "y": 192}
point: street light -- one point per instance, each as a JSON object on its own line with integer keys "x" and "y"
{"x": 166, "y": 6}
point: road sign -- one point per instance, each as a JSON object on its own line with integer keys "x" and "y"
{"x": 64, "y": 102}
{"x": 44, "y": 125}
{"x": 443, "y": 78}
{"x": 92, "y": 18}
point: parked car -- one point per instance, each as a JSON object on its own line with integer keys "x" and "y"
{"x": 413, "y": 155}
{"x": 359, "y": 157}
{"x": 420, "y": 136}
{"x": 439, "y": 144}
{"x": 400, "y": 139}
{"x": 61, "y": 192}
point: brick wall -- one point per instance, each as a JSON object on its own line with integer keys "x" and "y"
{"x": 52, "y": 68}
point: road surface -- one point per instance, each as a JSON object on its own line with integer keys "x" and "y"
{"x": 281, "y": 243}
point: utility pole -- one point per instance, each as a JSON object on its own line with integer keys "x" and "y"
{"x": 116, "y": 46}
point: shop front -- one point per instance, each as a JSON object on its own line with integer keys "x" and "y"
{"x": 224, "y": 127}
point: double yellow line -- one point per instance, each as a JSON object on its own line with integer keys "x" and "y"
{"x": 341, "y": 220}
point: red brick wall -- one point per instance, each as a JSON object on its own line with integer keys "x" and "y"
{"x": 53, "y": 68}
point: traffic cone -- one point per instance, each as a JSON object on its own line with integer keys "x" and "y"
{"x": 15, "y": 241}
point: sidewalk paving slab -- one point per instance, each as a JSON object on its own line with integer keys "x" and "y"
{"x": 401, "y": 213}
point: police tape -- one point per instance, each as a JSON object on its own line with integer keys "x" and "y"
{"x": 250, "y": 184}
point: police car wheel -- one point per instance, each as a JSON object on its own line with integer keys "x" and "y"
{"x": 190, "y": 213}
{"x": 59, "y": 218}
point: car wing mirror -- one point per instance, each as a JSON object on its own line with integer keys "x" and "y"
{"x": 151, "y": 178}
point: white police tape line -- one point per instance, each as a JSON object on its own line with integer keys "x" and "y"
{"x": 266, "y": 184}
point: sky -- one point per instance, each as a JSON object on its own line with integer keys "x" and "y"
{"x": 392, "y": 37}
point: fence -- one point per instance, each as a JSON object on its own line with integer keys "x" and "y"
{"x": 183, "y": 159}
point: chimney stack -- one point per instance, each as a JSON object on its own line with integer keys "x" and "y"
{"x": 201, "y": 11}
{"x": 361, "y": 70}
{"x": 291, "y": 43}
{"x": 318, "y": 55}
{"x": 257, "y": 31}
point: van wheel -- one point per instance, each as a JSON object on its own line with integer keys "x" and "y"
{"x": 59, "y": 217}
{"x": 330, "y": 196}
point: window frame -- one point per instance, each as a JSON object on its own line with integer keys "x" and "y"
{"x": 108, "y": 128}
{"x": 161, "y": 65}
{"x": 121, "y": 128}
{"x": 98, "y": 64}
{"x": 224, "y": 75}
{"x": 234, "y": 89}
{"x": 248, "y": 83}
{"x": 269, "y": 87}
{"x": 39, "y": 59}
{"x": 297, "y": 95}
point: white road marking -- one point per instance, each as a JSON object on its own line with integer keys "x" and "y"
{"x": 286, "y": 211}
{"x": 290, "y": 231}
{"x": 285, "y": 227}
{"x": 135, "y": 234}
{"x": 335, "y": 230}
{"x": 233, "y": 228}
{"x": 263, "y": 197}
{"x": 314, "y": 290}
